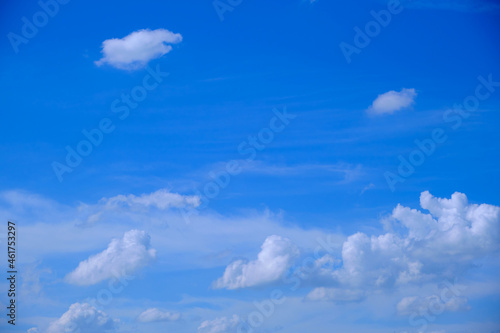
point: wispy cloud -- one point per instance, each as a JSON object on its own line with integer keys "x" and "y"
{"x": 155, "y": 314}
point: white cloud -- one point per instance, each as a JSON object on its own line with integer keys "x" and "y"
{"x": 219, "y": 325}
{"x": 427, "y": 247}
{"x": 122, "y": 257}
{"x": 416, "y": 304}
{"x": 275, "y": 258}
{"x": 83, "y": 318}
{"x": 161, "y": 199}
{"x": 155, "y": 314}
{"x": 213, "y": 238}
{"x": 392, "y": 101}
{"x": 138, "y": 48}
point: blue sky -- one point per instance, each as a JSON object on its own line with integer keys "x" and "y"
{"x": 258, "y": 140}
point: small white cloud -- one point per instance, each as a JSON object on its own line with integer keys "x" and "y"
{"x": 121, "y": 258}
{"x": 335, "y": 294}
{"x": 137, "y": 49}
{"x": 83, "y": 318}
{"x": 33, "y": 330}
{"x": 392, "y": 101}
{"x": 275, "y": 258}
{"x": 155, "y": 314}
{"x": 219, "y": 325}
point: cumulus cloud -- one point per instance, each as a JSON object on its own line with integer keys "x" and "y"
{"x": 426, "y": 247}
{"x": 155, "y": 314}
{"x": 275, "y": 258}
{"x": 83, "y": 318}
{"x": 421, "y": 246}
{"x": 122, "y": 257}
{"x": 392, "y": 101}
{"x": 219, "y": 325}
{"x": 138, "y": 48}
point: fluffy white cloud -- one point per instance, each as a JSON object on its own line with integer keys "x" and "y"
{"x": 418, "y": 304}
{"x": 138, "y": 48}
{"x": 83, "y": 318}
{"x": 219, "y": 325}
{"x": 122, "y": 257}
{"x": 426, "y": 247}
{"x": 275, "y": 258}
{"x": 155, "y": 314}
{"x": 391, "y": 101}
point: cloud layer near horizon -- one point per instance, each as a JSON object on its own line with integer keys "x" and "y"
{"x": 357, "y": 268}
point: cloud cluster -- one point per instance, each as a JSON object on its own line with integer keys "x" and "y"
{"x": 392, "y": 101}
{"x": 122, "y": 257}
{"x": 419, "y": 247}
{"x": 138, "y": 48}
{"x": 83, "y": 318}
{"x": 219, "y": 325}
{"x": 422, "y": 247}
{"x": 275, "y": 258}
{"x": 155, "y": 314}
